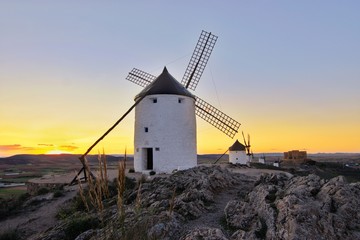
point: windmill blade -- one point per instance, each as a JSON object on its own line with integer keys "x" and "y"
{"x": 248, "y": 140}
{"x": 216, "y": 118}
{"x": 244, "y": 138}
{"x": 199, "y": 60}
{"x": 139, "y": 77}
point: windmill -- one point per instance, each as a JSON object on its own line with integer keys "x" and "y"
{"x": 164, "y": 130}
{"x": 237, "y": 153}
{"x": 144, "y": 155}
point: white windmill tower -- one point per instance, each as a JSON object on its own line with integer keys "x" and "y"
{"x": 165, "y": 127}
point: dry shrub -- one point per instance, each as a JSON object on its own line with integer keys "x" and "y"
{"x": 172, "y": 202}
{"x": 138, "y": 200}
{"x": 103, "y": 173}
{"x": 82, "y": 193}
{"x": 98, "y": 188}
{"x": 121, "y": 188}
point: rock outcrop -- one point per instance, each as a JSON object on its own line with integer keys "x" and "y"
{"x": 216, "y": 203}
{"x": 297, "y": 208}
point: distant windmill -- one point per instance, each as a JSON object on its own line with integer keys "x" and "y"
{"x": 165, "y": 125}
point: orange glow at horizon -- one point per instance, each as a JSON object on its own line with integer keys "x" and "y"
{"x": 280, "y": 137}
{"x": 56, "y": 152}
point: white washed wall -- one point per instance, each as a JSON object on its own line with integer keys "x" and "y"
{"x": 171, "y": 128}
{"x": 238, "y": 157}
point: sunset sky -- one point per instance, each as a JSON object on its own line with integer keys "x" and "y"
{"x": 288, "y": 71}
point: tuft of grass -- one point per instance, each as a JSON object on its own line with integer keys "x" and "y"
{"x": 77, "y": 204}
{"x": 98, "y": 188}
{"x": 23, "y": 197}
{"x": 43, "y": 191}
{"x": 95, "y": 189}
{"x": 58, "y": 193}
{"x": 121, "y": 188}
{"x": 138, "y": 200}
{"x": 172, "y": 202}
{"x": 12, "y": 205}
{"x": 82, "y": 195}
{"x": 103, "y": 174}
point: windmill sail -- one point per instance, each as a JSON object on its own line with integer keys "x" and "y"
{"x": 247, "y": 144}
{"x": 140, "y": 78}
{"x": 217, "y": 118}
{"x": 199, "y": 60}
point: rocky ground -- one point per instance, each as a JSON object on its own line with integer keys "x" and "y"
{"x": 213, "y": 202}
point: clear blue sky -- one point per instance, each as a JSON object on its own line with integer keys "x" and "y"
{"x": 289, "y": 71}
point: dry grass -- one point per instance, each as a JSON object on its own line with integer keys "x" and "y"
{"x": 97, "y": 187}
{"x": 121, "y": 188}
{"x": 138, "y": 200}
{"x": 98, "y": 190}
{"x": 172, "y": 202}
{"x": 82, "y": 194}
{"x": 103, "y": 174}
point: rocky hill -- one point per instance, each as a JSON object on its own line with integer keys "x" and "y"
{"x": 218, "y": 202}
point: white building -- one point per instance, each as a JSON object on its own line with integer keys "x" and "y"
{"x": 262, "y": 160}
{"x": 165, "y": 127}
{"x": 237, "y": 153}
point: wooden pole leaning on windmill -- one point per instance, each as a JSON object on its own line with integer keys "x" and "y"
{"x": 221, "y": 156}
{"x": 82, "y": 157}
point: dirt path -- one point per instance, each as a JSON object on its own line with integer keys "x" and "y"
{"x": 33, "y": 221}
{"x": 215, "y": 218}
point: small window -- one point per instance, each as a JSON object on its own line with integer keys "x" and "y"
{"x": 180, "y": 100}
{"x": 146, "y": 129}
{"x": 137, "y": 149}
{"x": 237, "y": 159}
{"x": 154, "y": 100}
{"x": 157, "y": 149}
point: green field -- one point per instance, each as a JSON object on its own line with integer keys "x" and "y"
{"x": 11, "y": 192}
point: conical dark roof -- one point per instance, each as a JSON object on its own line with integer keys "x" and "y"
{"x": 165, "y": 84}
{"x": 237, "y": 146}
